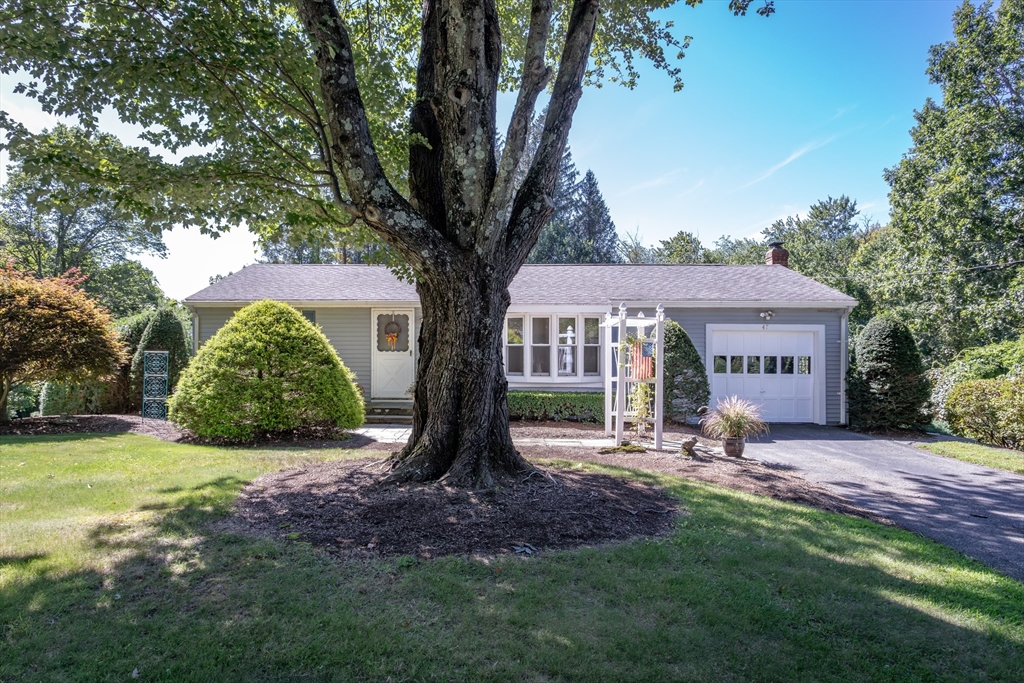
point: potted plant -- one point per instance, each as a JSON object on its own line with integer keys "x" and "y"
{"x": 732, "y": 421}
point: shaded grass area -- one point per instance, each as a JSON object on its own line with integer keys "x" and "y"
{"x": 1000, "y": 458}
{"x": 746, "y": 588}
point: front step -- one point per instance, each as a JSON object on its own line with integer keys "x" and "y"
{"x": 389, "y": 412}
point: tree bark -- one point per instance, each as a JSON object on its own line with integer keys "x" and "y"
{"x": 465, "y": 230}
{"x": 460, "y": 429}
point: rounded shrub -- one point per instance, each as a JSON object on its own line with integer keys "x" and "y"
{"x": 887, "y": 386}
{"x": 988, "y": 410}
{"x": 267, "y": 370}
{"x": 686, "y": 378}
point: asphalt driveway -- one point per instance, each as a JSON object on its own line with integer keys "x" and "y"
{"x": 976, "y": 510}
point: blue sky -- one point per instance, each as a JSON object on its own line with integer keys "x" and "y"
{"x": 777, "y": 113}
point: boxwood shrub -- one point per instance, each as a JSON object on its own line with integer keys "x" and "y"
{"x": 165, "y": 331}
{"x": 989, "y": 410}
{"x": 268, "y": 370}
{"x": 886, "y": 386}
{"x": 686, "y": 378}
{"x": 573, "y": 406}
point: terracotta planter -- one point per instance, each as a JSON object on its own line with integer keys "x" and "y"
{"x": 733, "y": 446}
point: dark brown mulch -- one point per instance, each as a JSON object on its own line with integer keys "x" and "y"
{"x": 337, "y": 506}
{"x": 92, "y": 424}
{"x": 308, "y": 437}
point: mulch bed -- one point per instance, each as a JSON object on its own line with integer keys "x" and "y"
{"x": 92, "y": 424}
{"x": 335, "y": 505}
{"x": 310, "y": 437}
{"x": 338, "y": 506}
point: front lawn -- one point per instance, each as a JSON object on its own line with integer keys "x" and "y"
{"x": 1000, "y": 458}
{"x": 114, "y": 558}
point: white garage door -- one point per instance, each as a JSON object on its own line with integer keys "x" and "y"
{"x": 775, "y": 370}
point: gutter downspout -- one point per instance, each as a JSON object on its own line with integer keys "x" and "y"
{"x": 844, "y": 364}
{"x": 195, "y": 330}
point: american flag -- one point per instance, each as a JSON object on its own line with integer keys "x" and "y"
{"x": 642, "y": 360}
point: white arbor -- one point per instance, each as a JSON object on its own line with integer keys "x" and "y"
{"x": 634, "y": 387}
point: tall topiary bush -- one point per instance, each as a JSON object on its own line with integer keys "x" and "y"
{"x": 267, "y": 370}
{"x": 887, "y": 386}
{"x": 163, "y": 332}
{"x": 686, "y": 379}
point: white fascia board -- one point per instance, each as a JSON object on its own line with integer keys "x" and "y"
{"x": 837, "y": 304}
{"x": 311, "y": 304}
{"x": 557, "y": 308}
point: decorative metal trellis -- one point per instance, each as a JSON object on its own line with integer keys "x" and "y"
{"x": 154, "y": 384}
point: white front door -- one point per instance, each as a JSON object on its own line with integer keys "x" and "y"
{"x": 776, "y": 370}
{"x": 394, "y": 366}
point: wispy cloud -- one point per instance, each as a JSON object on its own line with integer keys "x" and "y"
{"x": 660, "y": 181}
{"x": 809, "y": 147}
{"x": 842, "y": 111}
{"x": 690, "y": 190}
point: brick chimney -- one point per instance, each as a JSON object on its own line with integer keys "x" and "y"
{"x": 776, "y": 255}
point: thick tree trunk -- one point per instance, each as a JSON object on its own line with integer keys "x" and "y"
{"x": 460, "y": 422}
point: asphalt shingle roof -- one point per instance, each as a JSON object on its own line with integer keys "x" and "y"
{"x": 603, "y": 284}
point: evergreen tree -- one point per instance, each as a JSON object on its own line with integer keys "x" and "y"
{"x": 596, "y": 236}
{"x": 887, "y": 386}
{"x": 581, "y": 229}
{"x": 686, "y": 380}
{"x": 683, "y": 247}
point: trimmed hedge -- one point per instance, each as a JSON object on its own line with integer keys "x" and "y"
{"x": 267, "y": 370}
{"x": 887, "y": 386}
{"x": 572, "y": 406}
{"x": 989, "y": 410}
{"x": 686, "y": 378}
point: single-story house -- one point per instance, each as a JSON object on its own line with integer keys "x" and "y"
{"x": 765, "y": 332}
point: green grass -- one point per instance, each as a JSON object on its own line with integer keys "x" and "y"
{"x": 1000, "y": 458}
{"x": 136, "y": 572}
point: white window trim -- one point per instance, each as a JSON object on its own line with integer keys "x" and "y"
{"x": 577, "y": 379}
{"x": 819, "y": 351}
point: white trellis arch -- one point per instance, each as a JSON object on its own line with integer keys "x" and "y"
{"x": 629, "y": 399}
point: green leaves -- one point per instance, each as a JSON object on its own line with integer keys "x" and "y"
{"x": 957, "y": 196}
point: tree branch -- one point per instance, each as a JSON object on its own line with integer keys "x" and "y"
{"x": 375, "y": 200}
{"x": 532, "y": 206}
{"x": 536, "y": 75}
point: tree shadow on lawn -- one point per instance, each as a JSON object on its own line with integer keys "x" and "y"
{"x": 745, "y": 587}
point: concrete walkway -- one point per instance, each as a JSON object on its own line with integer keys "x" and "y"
{"x": 976, "y": 510}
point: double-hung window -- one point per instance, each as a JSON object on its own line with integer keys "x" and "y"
{"x": 553, "y": 347}
{"x": 514, "y": 346}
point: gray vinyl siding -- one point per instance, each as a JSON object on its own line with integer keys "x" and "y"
{"x": 693, "y": 320}
{"x": 348, "y": 330}
{"x": 211, "y": 320}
